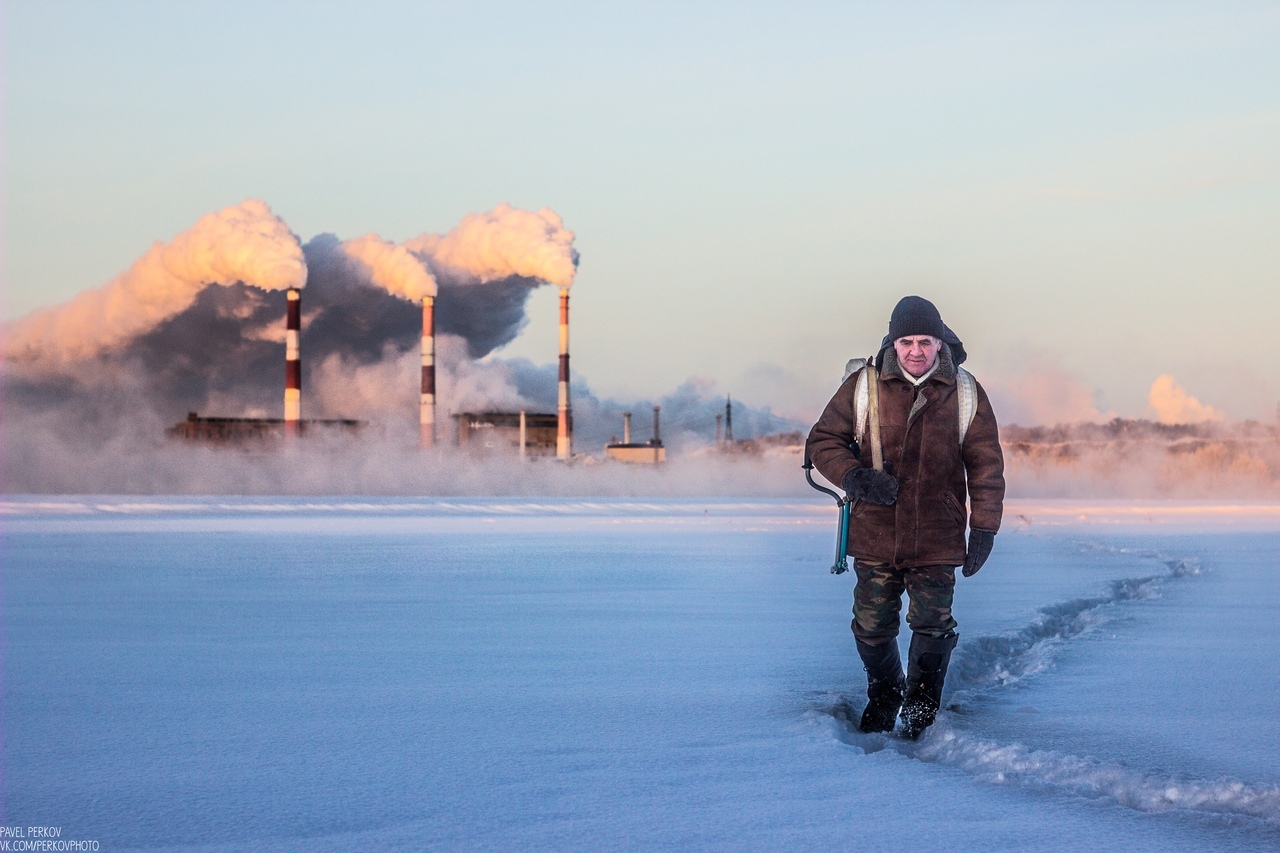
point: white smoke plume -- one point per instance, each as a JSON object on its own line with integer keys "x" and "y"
{"x": 193, "y": 322}
{"x": 244, "y": 244}
{"x": 1044, "y": 394}
{"x": 1032, "y": 387}
{"x": 386, "y": 390}
{"x": 1173, "y": 405}
{"x": 392, "y": 267}
{"x": 502, "y": 243}
{"x": 197, "y": 328}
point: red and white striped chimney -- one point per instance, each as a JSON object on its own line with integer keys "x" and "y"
{"x": 564, "y": 423}
{"x": 292, "y": 363}
{"x": 427, "y": 406}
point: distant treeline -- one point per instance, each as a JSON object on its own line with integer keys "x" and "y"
{"x": 1132, "y": 429}
{"x": 1123, "y": 458}
{"x": 1132, "y": 458}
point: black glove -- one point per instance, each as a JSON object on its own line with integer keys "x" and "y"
{"x": 868, "y": 484}
{"x": 980, "y": 544}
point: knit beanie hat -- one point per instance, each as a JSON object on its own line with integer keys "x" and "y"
{"x": 915, "y": 316}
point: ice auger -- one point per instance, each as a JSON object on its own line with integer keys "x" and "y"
{"x": 841, "y": 564}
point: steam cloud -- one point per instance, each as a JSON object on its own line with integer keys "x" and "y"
{"x": 245, "y": 244}
{"x": 191, "y": 326}
{"x": 1047, "y": 395}
{"x": 503, "y": 243}
{"x": 392, "y": 267}
{"x": 194, "y": 325}
{"x": 1173, "y": 405}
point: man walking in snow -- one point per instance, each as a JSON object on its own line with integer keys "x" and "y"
{"x": 906, "y": 437}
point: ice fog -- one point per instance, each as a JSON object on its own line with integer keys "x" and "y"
{"x": 196, "y": 325}
{"x": 115, "y": 446}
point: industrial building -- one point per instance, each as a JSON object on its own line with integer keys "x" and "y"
{"x": 527, "y": 433}
{"x": 238, "y": 430}
{"x": 649, "y": 453}
{"x": 521, "y": 433}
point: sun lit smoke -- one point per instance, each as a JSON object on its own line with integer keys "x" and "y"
{"x": 364, "y": 320}
{"x": 1173, "y": 405}
{"x": 502, "y": 243}
{"x": 245, "y": 244}
{"x": 199, "y": 324}
{"x": 1048, "y": 395}
{"x": 386, "y": 389}
{"x": 400, "y": 273}
{"x": 391, "y": 267}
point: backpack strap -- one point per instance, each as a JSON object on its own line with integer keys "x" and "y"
{"x": 861, "y": 395}
{"x": 967, "y": 390}
{"x": 862, "y": 403}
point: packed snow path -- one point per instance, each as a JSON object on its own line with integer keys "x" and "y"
{"x": 988, "y": 663}
{"x": 252, "y": 674}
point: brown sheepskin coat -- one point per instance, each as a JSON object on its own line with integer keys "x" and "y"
{"x": 921, "y": 443}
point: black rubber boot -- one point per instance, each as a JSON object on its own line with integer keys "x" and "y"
{"x": 885, "y": 685}
{"x": 927, "y": 663}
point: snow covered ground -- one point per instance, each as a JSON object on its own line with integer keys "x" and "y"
{"x": 212, "y": 673}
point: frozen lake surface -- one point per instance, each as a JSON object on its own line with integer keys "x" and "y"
{"x": 245, "y": 674}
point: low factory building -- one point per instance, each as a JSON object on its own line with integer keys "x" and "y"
{"x": 643, "y": 454}
{"x": 521, "y": 433}
{"x": 240, "y": 430}
{"x": 651, "y": 452}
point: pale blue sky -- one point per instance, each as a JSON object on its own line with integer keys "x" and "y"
{"x": 1091, "y": 188}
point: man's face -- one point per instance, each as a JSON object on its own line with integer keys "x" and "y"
{"x": 917, "y": 353}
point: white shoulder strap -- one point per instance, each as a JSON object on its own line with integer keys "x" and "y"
{"x": 861, "y": 404}
{"x": 860, "y": 394}
{"x": 967, "y": 389}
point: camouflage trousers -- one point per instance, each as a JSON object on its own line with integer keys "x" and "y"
{"x": 877, "y": 600}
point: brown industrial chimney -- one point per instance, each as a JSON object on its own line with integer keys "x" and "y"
{"x": 427, "y": 406}
{"x": 564, "y": 422}
{"x": 292, "y": 363}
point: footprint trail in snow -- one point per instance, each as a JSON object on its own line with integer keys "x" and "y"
{"x": 982, "y": 666}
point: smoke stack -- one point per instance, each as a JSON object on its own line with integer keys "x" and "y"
{"x": 427, "y": 406}
{"x": 728, "y": 420}
{"x": 564, "y": 434}
{"x": 657, "y": 434}
{"x": 292, "y": 363}
{"x": 719, "y": 428}
{"x": 626, "y": 427}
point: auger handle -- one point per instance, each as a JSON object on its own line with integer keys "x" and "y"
{"x": 841, "y": 563}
